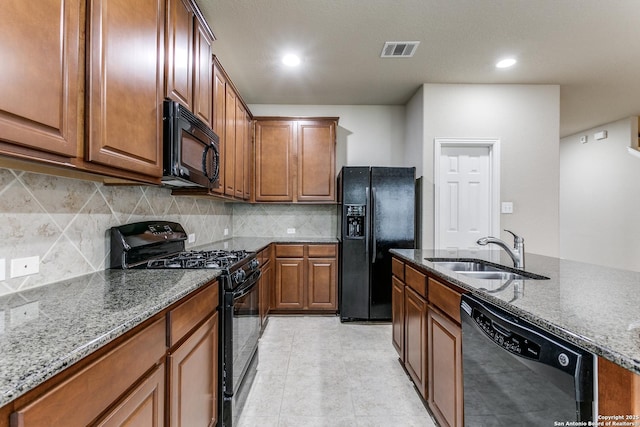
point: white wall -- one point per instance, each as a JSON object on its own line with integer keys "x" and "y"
{"x": 599, "y": 203}
{"x": 414, "y": 132}
{"x": 526, "y": 120}
{"x": 367, "y": 135}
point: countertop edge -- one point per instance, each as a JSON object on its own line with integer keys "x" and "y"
{"x": 586, "y": 343}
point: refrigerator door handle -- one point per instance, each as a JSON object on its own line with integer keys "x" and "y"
{"x": 367, "y": 223}
{"x": 373, "y": 225}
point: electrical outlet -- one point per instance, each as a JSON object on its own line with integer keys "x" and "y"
{"x": 226, "y": 231}
{"x": 25, "y": 266}
{"x": 24, "y": 313}
{"x": 291, "y": 231}
{"x": 507, "y": 207}
{"x": 1, "y": 322}
{"x": 192, "y": 238}
{"x": 3, "y": 269}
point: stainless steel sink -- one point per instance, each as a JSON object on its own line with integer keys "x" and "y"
{"x": 480, "y": 269}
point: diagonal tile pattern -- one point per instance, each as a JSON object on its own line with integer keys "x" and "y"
{"x": 316, "y": 371}
{"x": 66, "y": 221}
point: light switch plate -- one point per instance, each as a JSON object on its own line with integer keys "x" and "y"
{"x": 3, "y": 267}
{"x": 192, "y": 238}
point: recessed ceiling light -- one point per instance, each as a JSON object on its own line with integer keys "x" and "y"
{"x": 291, "y": 60}
{"x": 506, "y": 63}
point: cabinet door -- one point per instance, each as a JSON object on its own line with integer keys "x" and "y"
{"x": 193, "y": 378}
{"x": 219, "y": 119}
{"x": 266, "y": 284}
{"x": 445, "y": 368}
{"x": 125, "y": 93}
{"x": 618, "y": 389}
{"x": 321, "y": 284}
{"x": 143, "y": 407}
{"x": 274, "y": 145}
{"x": 289, "y": 283}
{"x": 415, "y": 334}
{"x": 240, "y": 149}
{"x": 248, "y": 156}
{"x": 316, "y": 160}
{"x": 230, "y": 143}
{"x": 397, "y": 315}
{"x": 180, "y": 20}
{"x": 40, "y": 78}
{"x": 202, "y": 90}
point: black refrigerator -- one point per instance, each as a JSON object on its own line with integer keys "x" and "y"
{"x": 376, "y": 212}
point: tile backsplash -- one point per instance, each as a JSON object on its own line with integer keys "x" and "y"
{"x": 65, "y": 222}
{"x": 266, "y": 220}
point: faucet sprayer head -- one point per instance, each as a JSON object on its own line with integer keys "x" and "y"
{"x": 483, "y": 241}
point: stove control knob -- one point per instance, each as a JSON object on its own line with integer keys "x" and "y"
{"x": 254, "y": 264}
{"x": 239, "y": 276}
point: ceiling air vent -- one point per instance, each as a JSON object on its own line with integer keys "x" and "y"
{"x": 399, "y": 49}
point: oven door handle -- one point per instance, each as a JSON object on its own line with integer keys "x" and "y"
{"x": 247, "y": 286}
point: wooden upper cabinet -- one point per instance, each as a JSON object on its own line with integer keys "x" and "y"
{"x": 202, "y": 82}
{"x": 40, "y": 78}
{"x": 230, "y": 143}
{"x": 274, "y": 145}
{"x": 232, "y": 123}
{"x": 295, "y": 160}
{"x": 125, "y": 92}
{"x": 316, "y": 160}
{"x": 180, "y": 37}
{"x": 219, "y": 118}
{"x": 240, "y": 149}
{"x": 188, "y": 64}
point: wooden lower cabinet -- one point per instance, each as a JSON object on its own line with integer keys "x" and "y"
{"x": 290, "y": 283}
{"x": 321, "y": 280}
{"x": 306, "y": 277}
{"x": 397, "y": 315}
{"x": 618, "y": 390}
{"x": 143, "y": 407}
{"x": 193, "y": 378}
{"x": 81, "y": 398}
{"x": 164, "y": 371}
{"x": 415, "y": 332}
{"x": 445, "y": 368}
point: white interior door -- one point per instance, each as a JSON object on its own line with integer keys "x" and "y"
{"x": 464, "y": 199}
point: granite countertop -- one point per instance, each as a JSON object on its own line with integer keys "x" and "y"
{"x": 68, "y": 320}
{"x": 591, "y": 306}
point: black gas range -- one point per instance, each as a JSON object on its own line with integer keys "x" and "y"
{"x": 161, "y": 245}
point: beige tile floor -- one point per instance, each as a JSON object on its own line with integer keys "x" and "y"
{"x": 317, "y": 372}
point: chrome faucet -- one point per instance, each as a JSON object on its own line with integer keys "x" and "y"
{"x": 516, "y": 254}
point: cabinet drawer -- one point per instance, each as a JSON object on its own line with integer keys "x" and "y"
{"x": 289, "y": 251}
{"x": 445, "y": 298}
{"x": 322, "y": 251}
{"x": 187, "y": 315}
{"x": 266, "y": 254}
{"x": 98, "y": 385}
{"x": 397, "y": 268}
{"x": 416, "y": 280}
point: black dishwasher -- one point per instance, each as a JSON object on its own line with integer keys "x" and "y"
{"x": 517, "y": 374}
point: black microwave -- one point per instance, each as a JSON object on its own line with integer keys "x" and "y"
{"x": 191, "y": 149}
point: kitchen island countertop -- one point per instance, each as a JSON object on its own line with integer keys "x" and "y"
{"x": 594, "y": 307}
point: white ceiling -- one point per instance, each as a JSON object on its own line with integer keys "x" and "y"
{"x": 591, "y": 48}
